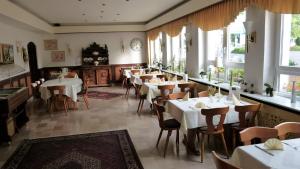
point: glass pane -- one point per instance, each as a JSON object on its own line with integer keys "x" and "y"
{"x": 291, "y": 41}
{"x": 182, "y": 60}
{"x": 152, "y": 55}
{"x": 215, "y": 44}
{"x": 286, "y": 82}
{"x": 175, "y": 53}
{"x": 178, "y": 57}
{"x": 237, "y": 75}
{"x": 158, "y": 52}
{"x": 237, "y": 39}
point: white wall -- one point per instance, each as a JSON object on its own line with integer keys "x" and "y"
{"x": 77, "y": 41}
{"x": 9, "y": 35}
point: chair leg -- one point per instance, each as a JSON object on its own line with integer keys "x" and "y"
{"x": 224, "y": 144}
{"x": 65, "y": 106}
{"x": 177, "y": 142}
{"x": 202, "y": 147}
{"x": 85, "y": 98}
{"x": 160, "y": 133}
{"x": 138, "y": 109}
{"x": 233, "y": 139}
{"x": 167, "y": 142}
{"x": 142, "y": 104}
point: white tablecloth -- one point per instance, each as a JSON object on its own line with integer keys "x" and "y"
{"x": 190, "y": 117}
{"x": 73, "y": 86}
{"x": 127, "y": 72}
{"x": 137, "y": 80}
{"x": 152, "y": 91}
{"x": 250, "y": 157}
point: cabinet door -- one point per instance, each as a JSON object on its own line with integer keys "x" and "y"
{"x": 102, "y": 76}
{"x": 91, "y": 76}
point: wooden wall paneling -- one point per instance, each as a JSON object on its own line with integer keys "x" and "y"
{"x": 15, "y": 83}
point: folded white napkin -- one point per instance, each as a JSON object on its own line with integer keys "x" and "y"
{"x": 235, "y": 100}
{"x": 200, "y": 105}
{"x": 186, "y": 97}
{"x": 273, "y": 144}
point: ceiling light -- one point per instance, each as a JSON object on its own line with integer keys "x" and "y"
{"x": 103, "y": 4}
{"x": 118, "y": 14}
{"x": 102, "y": 11}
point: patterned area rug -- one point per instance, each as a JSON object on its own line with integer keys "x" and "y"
{"x": 103, "y": 95}
{"x": 104, "y": 150}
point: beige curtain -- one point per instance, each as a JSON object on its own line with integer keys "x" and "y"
{"x": 153, "y": 33}
{"x": 279, "y": 6}
{"x": 219, "y": 15}
{"x": 174, "y": 28}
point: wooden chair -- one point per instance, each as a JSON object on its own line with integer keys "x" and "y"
{"x": 211, "y": 129}
{"x": 175, "y": 96}
{"x": 286, "y": 128}
{"x": 221, "y": 163}
{"x": 71, "y": 75}
{"x": 187, "y": 87}
{"x": 57, "y": 95}
{"x": 203, "y": 94}
{"x": 247, "y": 114}
{"x": 129, "y": 86}
{"x": 263, "y": 133}
{"x": 142, "y": 96}
{"x": 162, "y": 77}
{"x": 84, "y": 92}
{"x": 165, "y": 90}
{"x": 135, "y": 71}
{"x": 168, "y": 125}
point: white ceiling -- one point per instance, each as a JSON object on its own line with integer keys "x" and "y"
{"x": 85, "y": 12}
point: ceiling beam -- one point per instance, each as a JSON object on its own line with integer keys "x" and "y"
{"x": 13, "y": 11}
{"x": 99, "y": 28}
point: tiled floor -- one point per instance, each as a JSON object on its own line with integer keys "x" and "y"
{"x": 104, "y": 115}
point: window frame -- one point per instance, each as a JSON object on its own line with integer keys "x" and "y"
{"x": 280, "y": 69}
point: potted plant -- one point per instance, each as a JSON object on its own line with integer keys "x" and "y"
{"x": 203, "y": 74}
{"x": 269, "y": 89}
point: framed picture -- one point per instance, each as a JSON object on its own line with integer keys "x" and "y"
{"x": 58, "y": 56}
{"x": 50, "y": 44}
{"x": 8, "y": 53}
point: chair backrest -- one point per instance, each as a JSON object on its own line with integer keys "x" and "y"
{"x": 247, "y": 114}
{"x": 209, "y": 115}
{"x": 203, "y": 94}
{"x": 160, "y": 113}
{"x": 175, "y": 96}
{"x": 162, "y": 76}
{"x": 263, "y": 133}
{"x": 71, "y": 75}
{"x": 286, "y": 128}
{"x": 165, "y": 90}
{"x": 135, "y": 71}
{"x": 144, "y": 78}
{"x": 56, "y": 91}
{"x": 187, "y": 87}
{"x": 222, "y": 164}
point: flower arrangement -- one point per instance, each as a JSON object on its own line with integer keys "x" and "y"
{"x": 211, "y": 90}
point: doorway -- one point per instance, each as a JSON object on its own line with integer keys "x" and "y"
{"x": 33, "y": 66}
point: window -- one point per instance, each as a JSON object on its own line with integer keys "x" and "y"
{"x": 226, "y": 49}
{"x": 289, "y": 60}
{"x": 176, "y": 52}
{"x": 155, "y": 50}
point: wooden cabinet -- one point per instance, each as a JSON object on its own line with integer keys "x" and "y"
{"x": 97, "y": 75}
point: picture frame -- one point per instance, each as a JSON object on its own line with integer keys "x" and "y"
{"x": 58, "y": 56}
{"x": 50, "y": 44}
{"x": 7, "y": 54}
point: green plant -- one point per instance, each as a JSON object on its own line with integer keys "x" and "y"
{"x": 292, "y": 63}
{"x": 297, "y": 41}
{"x": 238, "y": 50}
{"x": 269, "y": 89}
{"x": 202, "y": 74}
{"x": 295, "y": 48}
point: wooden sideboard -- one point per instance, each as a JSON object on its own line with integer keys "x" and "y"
{"x": 101, "y": 75}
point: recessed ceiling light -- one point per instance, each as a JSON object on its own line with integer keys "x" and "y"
{"x": 127, "y": 0}
{"x": 103, "y": 4}
{"x": 102, "y": 11}
{"x": 118, "y": 14}
{"x": 83, "y": 14}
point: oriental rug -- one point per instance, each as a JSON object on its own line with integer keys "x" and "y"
{"x": 103, "y": 95}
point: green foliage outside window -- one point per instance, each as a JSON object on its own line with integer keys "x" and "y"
{"x": 238, "y": 50}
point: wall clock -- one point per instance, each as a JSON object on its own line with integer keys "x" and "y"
{"x": 136, "y": 44}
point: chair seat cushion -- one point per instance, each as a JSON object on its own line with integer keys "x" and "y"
{"x": 171, "y": 123}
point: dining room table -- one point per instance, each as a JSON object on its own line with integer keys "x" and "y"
{"x": 136, "y": 79}
{"x": 127, "y": 72}
{"x": 72, "y": 87}
{"x": 152, "y": 91}
{"x": 188, "y": 112}
{"x": 259, "y": 157}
